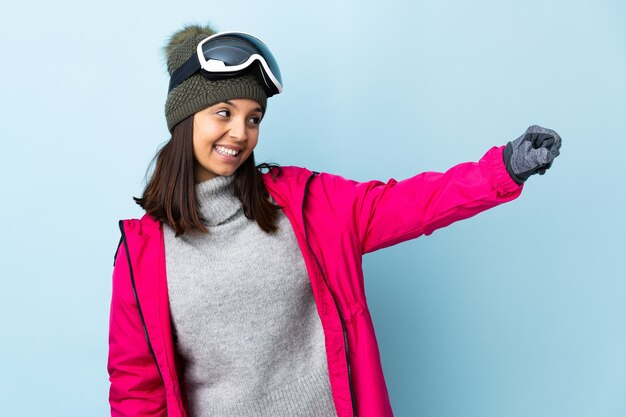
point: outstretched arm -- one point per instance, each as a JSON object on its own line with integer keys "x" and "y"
{"x": 431, "y": 200}
{"x": 385, "y": 214}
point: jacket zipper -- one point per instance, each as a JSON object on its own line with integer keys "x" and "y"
{"x": 116, "y": 250}
{"x": 132, "y": 280}
{"x": 343, "y": 326}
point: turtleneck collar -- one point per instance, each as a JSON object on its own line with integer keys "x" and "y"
{"x": 216, "y": 199}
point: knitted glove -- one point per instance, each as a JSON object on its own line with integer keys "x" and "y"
{"x": 531, "y": 153}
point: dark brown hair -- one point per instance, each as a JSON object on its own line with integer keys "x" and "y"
{"x": 170, "y": 195}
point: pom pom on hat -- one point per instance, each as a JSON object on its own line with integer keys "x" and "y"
{"x": 187, "y": 34}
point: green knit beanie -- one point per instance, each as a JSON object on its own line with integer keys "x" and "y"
{"x": 196, "y": 92}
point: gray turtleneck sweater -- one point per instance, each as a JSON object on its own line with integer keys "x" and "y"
{"x": 249, "y": 334}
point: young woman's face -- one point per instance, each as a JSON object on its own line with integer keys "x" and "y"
{"x": 232, "y": 124}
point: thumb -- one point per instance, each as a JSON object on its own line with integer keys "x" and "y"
{"x": 543, "y": 156}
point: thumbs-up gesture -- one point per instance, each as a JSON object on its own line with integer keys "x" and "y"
{"x": 531, "y": 153}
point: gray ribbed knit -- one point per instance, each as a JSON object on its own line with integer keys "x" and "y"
{"x": 248, "y": 330}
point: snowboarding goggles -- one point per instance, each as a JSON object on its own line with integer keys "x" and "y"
{"x": 228, "y": 54}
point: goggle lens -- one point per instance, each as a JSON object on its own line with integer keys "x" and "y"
{"x": 230, "y": 51}
{"x": 235, "y": 49}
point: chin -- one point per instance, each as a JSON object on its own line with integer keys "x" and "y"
{"x": 226, "y": 172}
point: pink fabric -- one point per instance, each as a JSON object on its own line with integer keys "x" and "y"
{"x": 344, "y": 220}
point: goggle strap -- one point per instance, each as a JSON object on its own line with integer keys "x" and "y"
{"x": 189, "y": 67}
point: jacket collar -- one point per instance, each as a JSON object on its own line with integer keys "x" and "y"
{"x": 286, "y": 187}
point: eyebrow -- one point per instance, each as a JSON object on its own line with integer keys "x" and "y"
{"x": 230, "y": 103}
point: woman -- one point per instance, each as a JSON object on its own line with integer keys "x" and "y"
{"x": 240, "y": 292}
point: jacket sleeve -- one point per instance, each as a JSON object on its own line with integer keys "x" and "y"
{"x": 385, "y": 214}
{"x": 137, "y": 388}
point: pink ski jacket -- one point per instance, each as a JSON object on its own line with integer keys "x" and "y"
{"x": 336, "y": 221}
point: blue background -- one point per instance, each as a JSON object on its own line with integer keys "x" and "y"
{"x": 518, "y": 311}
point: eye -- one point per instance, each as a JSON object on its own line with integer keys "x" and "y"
{"x": 224, "y": 111}
{"x": 255, "y": 120}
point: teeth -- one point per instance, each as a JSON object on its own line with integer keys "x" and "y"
{"x": 226, "y": 151}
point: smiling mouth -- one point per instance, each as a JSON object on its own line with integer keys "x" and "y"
{"x": 225, "y": 151}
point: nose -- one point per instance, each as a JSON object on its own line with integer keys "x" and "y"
{"x": 238, "y": 129}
